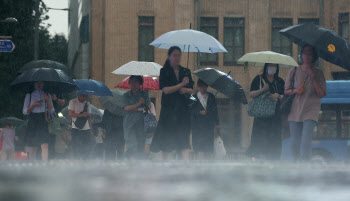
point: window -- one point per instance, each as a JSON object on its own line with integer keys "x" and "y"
{"x": 279, "y": 43}
{"x": 209, "y": 25}
{"x": 333, "y": 124}
{"x": 306, "y": 21}
{"x": 146, "y": 36}
{"x": 344, "y": 25}
{"x": 233, "y": 40}
{"x": 84, "y": 29}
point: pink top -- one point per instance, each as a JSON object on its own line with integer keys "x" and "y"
{"x": 307, "y": 106}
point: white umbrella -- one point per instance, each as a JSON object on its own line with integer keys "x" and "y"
{"x": 138, "y": 68}
{"x": 260, "y": 58}
{"x": 189, "y": 41}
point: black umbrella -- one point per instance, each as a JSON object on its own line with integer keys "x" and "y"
{"x": 12, "y": 121}
{"x": 96, "y": 114}
{"x": 55, "y": 80}
{"x": 46, "y": 64}
{"x": 222, "y": 82}
{"x": 329, "y": 45}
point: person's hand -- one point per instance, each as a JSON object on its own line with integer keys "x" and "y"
{"x": 37, "y": 103}
{"x": 85, "y": 114}
{"x": 182, "y": 90}
{"x": 53, "y": 97}
{"x": 16, "y": 138}
{"x": 299, "y": 90}
{"x": 141, "y": 101}
{"x": 274, "y": 96}
{"x": 103, "y": 135}
{"x": 203, "y": 112}
{"x": 185, "y": 81}
{"x": 266, "y": 87}
{"x": 311, "y": 73}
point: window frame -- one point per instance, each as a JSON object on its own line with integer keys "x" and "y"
{"x": 216, "y": 62}
{"x": 234, "y": 25}
{"x": 280, "y": 26}
{"x": 343, "y": 17}
{"x": 145, "y": 24}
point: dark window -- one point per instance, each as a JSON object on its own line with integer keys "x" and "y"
{"x": 333, "y": 124}
{"x": 84, "y": 29}
{"x": 233, "y": 40}
{"x": 146, "y": 36}
{"x": 306, "y": 21}
{"x": 279, "y": 43}
{"x": 209, "y": 25}
{"x": 344, "y": 25}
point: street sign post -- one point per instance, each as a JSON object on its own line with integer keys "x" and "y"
{"x": 6, "y": 46}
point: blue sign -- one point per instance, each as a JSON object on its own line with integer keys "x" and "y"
{"x": 6, "y": 46}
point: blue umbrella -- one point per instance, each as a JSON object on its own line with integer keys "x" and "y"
{"x": 92, "y": 87}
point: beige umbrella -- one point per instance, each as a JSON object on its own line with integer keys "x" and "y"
{"x": 260, "y": 58}
{"x": 139, "y": 68}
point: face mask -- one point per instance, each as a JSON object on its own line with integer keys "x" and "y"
{"x": 271, "y": 70}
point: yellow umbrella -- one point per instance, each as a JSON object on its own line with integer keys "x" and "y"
{"x": 260, "y": 58}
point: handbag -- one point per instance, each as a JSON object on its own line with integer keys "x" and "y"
{"x": 54, "y": 126}
{"x": 150, "y": 123}
{"x": 219, "y": 147}
{"x": 81, "y": 121}
{"x": 287, "y": 101}
{"x": 262, "y": 106}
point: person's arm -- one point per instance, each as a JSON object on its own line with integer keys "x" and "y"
{"x": 256, "y": 93}
{"x": 255, "y": 87}
{"x": 71, "y": 112}
{"x": 132, "y": 108}
{"x": 26, "y": 109}
{"x": 319, "y": 90}
{"x": 173, "y": 89}
{"x": 60, "y": 101}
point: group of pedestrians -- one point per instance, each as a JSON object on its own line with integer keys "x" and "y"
{"x": 306, "y": 85}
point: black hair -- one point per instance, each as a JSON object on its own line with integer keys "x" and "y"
{"x": 277, "y": 70}
{"x": 138, "y": 78}
{"x": 314, "y": 53}
{"x": 201, "y": 83}
{"x": 171, "y": 50}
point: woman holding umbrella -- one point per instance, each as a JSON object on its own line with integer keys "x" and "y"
{"x": 35, "y": 106}
{"x": 173, "y": 130}
{"x": 266, "y": 134}
{"x": 309, "y": 87}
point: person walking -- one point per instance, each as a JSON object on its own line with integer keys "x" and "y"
{"x": 309, "y": 87}
{"x": 174, "y": 126}
{"x": 80, "y": 112}
{"x": 114, "y": 141}
{"x": 205, "y": 119}
{"x": 8, "y": 137}
{"x": 266, "y": 139}
{"x": 133, "y": 103}
{"x": 36, "y": 104}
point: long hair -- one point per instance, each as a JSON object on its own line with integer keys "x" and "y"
{"x": 277, "y": 70}
{"x": 171, "y": 50}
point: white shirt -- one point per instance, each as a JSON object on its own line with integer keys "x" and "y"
{"x": 76, "y": 106}
{"x": 32, "y": 98}
{"x": 203, "y": 98}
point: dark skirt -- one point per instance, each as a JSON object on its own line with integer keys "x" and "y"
{"x": 266, "y": 138}
{"x": 203, "y": 138}
{"x": 37, "y": 130}
{"x": 173, "y": 130}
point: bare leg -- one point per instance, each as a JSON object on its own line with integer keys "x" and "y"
{"x": 147, "y": 148}
{"x": 44, "y": 152}
{"x": 200, "y": 156}
{"x": 32, "y": 153}
{"x": 165, "y": 155}
{"x": 186, "y": 154}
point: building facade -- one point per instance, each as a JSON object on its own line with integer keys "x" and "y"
{"x": 120, "y": 31}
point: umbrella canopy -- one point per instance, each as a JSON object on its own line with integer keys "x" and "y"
{"x": 223, "y": 83}
{"x": 260, "y": 58}
{"x": 149, "y": 83}
{"x": 55, "y": 80}
{"x": 12, "y": 121}
{"x": 189, "y": 41}
{"x": 46, "y": 64}
{"x": 139, "y": 68}
{"x": 114, "y": 103}
{"x": 92, "y": 87}
{"x": 95, "y": 114}
{"x": 329, "y": 45}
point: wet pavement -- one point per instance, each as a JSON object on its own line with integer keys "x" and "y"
{"x": 173, "y": 181}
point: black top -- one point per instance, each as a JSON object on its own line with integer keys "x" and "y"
{"x": 277, "y": 85}
{"x": 168, "y": 78}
